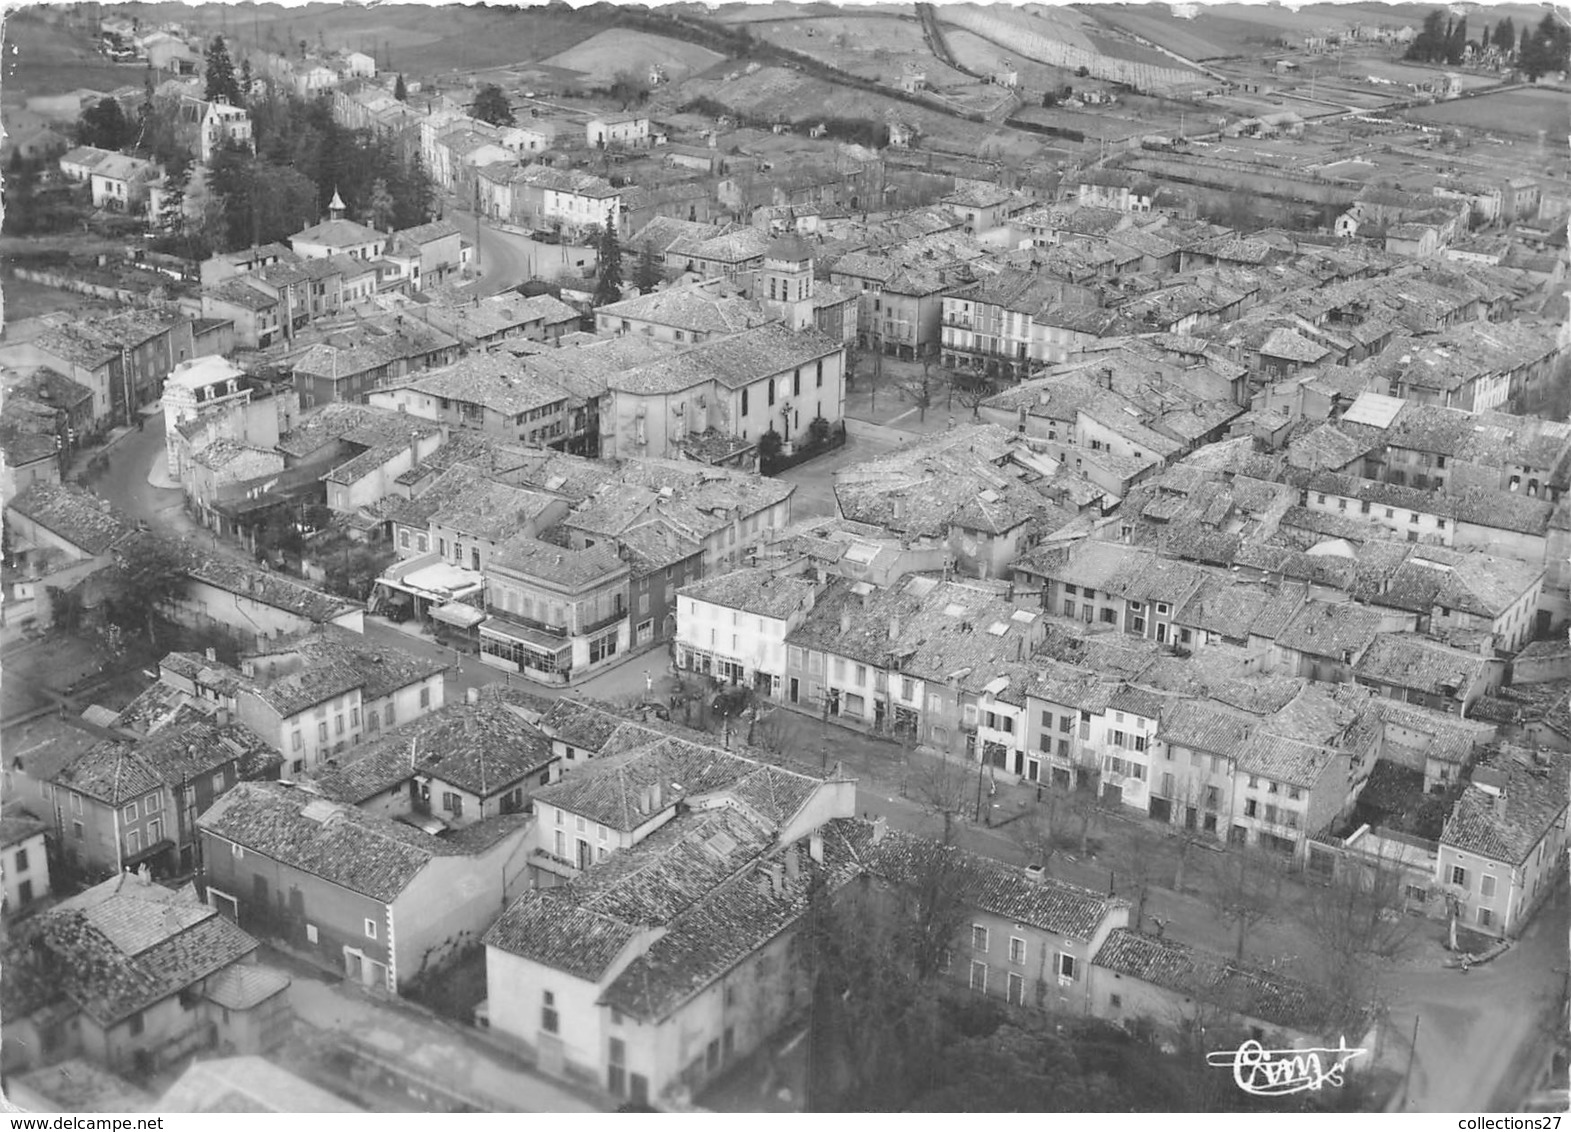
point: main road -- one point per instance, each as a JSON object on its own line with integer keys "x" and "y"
{"x": 504, "y": 259}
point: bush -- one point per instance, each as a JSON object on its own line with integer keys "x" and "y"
{"x": 818, "y": 431}
{"x": 769, "y": 445}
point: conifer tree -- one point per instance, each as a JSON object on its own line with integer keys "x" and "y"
{"x": 400, "y": 91}
{"x": 609, "y": 288}
{"x": 221, "y": 73}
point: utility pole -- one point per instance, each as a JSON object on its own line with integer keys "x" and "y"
{"x": 1412, "y": 1052}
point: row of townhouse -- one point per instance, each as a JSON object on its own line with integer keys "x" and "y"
{"x": 653, "y": 1003}
{"x": 273, "y": 293}
{"x": 123, "y": 358}
{"x": 561, "y": 567}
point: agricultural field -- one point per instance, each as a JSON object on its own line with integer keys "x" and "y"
{"x": 602, "y": 57}
{"x": 983, "y": 55}
{"x": 414, "y": 39}
{"x": 1226, "y": 30}
{"x": 872, "y": 45}
{"x": 1411, "y": 73}
{"x": 44, "y": 58}
{"x": 1519, "y": 112}
{"x": 772, "y": 91}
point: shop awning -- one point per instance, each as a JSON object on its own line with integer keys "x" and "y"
{"x": 537, "y": 639}
{"x": 459, "y": 614}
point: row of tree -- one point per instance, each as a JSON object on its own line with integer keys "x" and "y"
{"x": 1538, "y": 51}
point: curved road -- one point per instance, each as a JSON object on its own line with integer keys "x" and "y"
{"x": 505, "y": 258}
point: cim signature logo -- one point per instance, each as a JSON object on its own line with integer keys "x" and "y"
{"x": 1282, "y": 1072}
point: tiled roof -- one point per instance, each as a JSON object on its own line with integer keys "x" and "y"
{"x": 696, "y": 308}
{"x": 1508, "y": 826}
{"x": 734, "y": 361}
{"x": 756, "y": 590}
{"x": 531, "y": 558}
{"x": 266, "y": 587}
{"x": 611, "y": 789}
{"x": 118, "y": 948}
{"x": 1052, "y": 905}
{"x": 338, "y": 234}
{"x": 1340, "y": 631}
{"x": 81, "y": 518}
{"x": 363, "y": 852}
{"x": 328, "y": 661}
{"x": 483, "y": 748}
{"x": 496, "y": 381}
{"x": 1214, "y": 979}
{"x": 1205, "y": 726}
{"x": 17, "y": 827}
{"x": 1290, "y": 761}
{"x": 1409, "y": 661}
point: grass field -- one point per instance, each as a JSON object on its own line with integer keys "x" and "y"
{"x": 603, "y": 56}
{"x": 414, "y": 39}
{"x": 982, "y": 56}
{"x": 1223, "y": 30}
{"x": 41, "y": 58}
{"x": 871, "y": 44}
{"x": 1519, "y": 112}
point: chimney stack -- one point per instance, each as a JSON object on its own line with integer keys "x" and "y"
{"x": 472, "y": 696}
{"x": 815, "y": 846}
{"x": 894, "y": 627}
{"x": 793, "y": 866}
{"x": 880, "y": 827}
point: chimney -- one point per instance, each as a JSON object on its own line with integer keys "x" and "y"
{"x": 776, "y": 877}
{"x": 222, "y": 716}
{"x": 212, "y": 655}
{"x": 657, "y": 796}
{"x": 472, "y": 696}
{"x": 793, "y": 866}
{"x": 894, "y": 627}
{"x": 880, "y": 827}
{"x": 815, "y": 846}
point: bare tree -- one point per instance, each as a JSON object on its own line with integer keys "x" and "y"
{"x": 971, "y": 388}
{"x": 1138, "y": 861}
{"x": 1039, "y": 830}
{"x": 922, "y": 388}
{"x": 1085, "y": 803}
{"x": 1245, "y": 888}
{"x": 944, "y": 787}
{"x": 1357, "y": 927}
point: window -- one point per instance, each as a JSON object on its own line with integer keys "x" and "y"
{"x": 978, "y": 938}
{"x": 1486, "y": 885}
{"x": 354, "y": 717}
{"x": 152, "y": 803}
{"x": 1066, "y": 724}
{"x": 387, "y": 716}
{"x": 548, "y": 1015}
{"x": 20, "y": 860}
{"x": 155, "y": 830}
{"x": 321, "y": 732}
{"x": 297, "y": 741}
{"x": 453, "y": 803}
{"x": 76, "y": 830}
{"x": 1017, "y": 951}
{"x": 820, "y": 373}
{"x": 370, "y": 929}
{"x": 338, "y": 725}
{"x": 771, "y": 391}
{"x": 135, "y": 1024}
{"x": 1115, "y": 1001}
{"x": 1069, "y": 608}
{"x": 1485, "y": 917}
{"x": 979, "y": 977}
{"x": 1066, "y": 966}
{"x": 425, "y": 697}
{"x": 744, "y": 402}
{"x": 1459, "y": 876}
